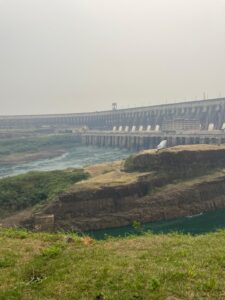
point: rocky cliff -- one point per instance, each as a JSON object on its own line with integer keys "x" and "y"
{"x": 148, "y": 186}
{"x": 175, "y": 182}
{"x": 184, "y": 161}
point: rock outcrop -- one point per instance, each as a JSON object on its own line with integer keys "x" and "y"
{"x": 174, "y": 182}
{"x": 121, "y": 205}
{"x": 149, "y": 186}
{"x": 179, "y": 161}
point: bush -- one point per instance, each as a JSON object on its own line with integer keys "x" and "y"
{"x": 22, "y": 191}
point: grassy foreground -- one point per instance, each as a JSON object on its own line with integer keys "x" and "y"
{"x": 172, "y": 267}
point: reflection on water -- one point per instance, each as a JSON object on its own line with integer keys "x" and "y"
{"x": 76, "y": 157}
{"x": 198, "y": 224}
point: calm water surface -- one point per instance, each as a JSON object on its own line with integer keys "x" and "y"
{"x": 198, "y": 224}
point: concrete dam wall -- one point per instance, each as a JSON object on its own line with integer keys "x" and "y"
{"x": 192, "y": 115}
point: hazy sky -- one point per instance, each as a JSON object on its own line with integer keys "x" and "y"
{"x": 82, "y": 55}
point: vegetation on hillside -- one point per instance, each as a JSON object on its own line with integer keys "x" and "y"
{"x": 51, "y": 266}
{"x": 26, "y": 190}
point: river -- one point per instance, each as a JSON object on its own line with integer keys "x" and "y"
{"x": 198, "y": 224}
{"x": 75, "y": 157}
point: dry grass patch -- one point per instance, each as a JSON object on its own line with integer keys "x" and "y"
{"x": 112, "y": 178}
{"x": 103, "y": 168}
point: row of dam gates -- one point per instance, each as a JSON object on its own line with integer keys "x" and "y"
{"x": 192, "y": 122}
{"x": 191, "y": 115}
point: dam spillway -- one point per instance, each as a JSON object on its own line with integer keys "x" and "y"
{"x": 188, "y": 115}
{"x": 192, "y": 122}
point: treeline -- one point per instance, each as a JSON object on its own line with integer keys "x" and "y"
{"x": 26, "y": 190}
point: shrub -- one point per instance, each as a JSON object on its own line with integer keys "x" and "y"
{"x": 22, "y": 191}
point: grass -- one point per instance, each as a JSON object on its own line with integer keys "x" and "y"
{"x": 110, "y": 179}
{"x": 173, "y": 266}
{"x": 181, "y": 161}
{"x": 180, "y": 184}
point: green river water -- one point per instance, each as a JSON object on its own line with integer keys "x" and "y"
{"x": 197, "y": 224}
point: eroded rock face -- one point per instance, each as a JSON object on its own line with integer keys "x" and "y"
{"x": 181, "y": 181}
{"x": 185, "y": 161}
{"x": 121, "y": 206}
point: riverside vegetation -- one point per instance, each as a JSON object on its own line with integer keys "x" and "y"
{"x": 27, "y": 190}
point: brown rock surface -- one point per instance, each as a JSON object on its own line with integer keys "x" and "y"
{"x": 180, "y": 181}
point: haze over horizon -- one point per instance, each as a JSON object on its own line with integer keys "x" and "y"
{"x": 75, "y": 56}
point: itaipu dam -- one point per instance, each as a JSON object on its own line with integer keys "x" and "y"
{"x": 192, "y": 122}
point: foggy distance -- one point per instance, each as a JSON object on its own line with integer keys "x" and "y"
{"x": 76, "y": 56}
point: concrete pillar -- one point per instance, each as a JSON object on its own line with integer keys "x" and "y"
{"x": 113, "y": 141}
{"x": 170, "y": 141}
{"x": 173, "y": 141}
{"x": 141, "y": 142}
{"x": 102, "y": 140}
{"x": 201, "y": 140}
{"x": 129, "y": 142}
{"x": 132, "y": 141}
{"x": 109, "y": 141}
{"x": 124, "y": 141}
{"x": 83, "y": 140}
{"x": 117, "y": 141}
